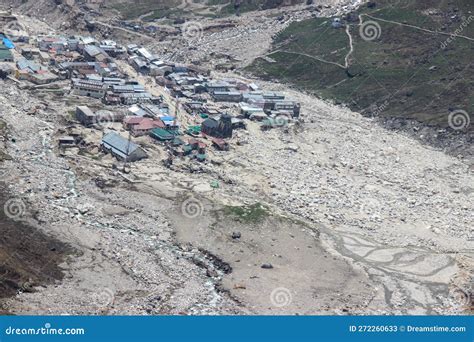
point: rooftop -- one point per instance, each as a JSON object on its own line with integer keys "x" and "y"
{"x": 120, "y": 145}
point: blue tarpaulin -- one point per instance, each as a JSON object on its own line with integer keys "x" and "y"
{"x": 8, "y": 43}
{"x": 168, "y": 118}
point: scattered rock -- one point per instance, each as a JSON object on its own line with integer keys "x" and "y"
{"x": 236, "y": 235}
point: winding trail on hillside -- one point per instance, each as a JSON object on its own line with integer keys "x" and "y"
{"x": 418, "y": 28}
{"x": 306, "y": 55}
{"x": 351, "y": 45}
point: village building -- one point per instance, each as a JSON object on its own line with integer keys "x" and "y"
{"x": 128, "y": 88}
{"x": 112, "y": 99}
{"x": 24, "y": 64}
{"x": 41, "y": 77}
{"x": 290, "y": 106}
{"x": 143, "y": 52}
{"x": 94, "y": 89}
{"x": 170, "y": 122}
{"x": 134, "y": 98}
{"x": 85, "y": 115}
{"x": 58, "y": 44}
{"x": 220, "y": 144}
{"x": 227, "y": 96}
{"x": 132, "y": 48}
{"x": 93, "y": 53}
{"x": 221, "y": 128}
{"x": 72, "y": 43}
{"x": 212, "y": 87}
{"x": 131, "y": 121}
{"x": 149, "y": 110}
{"x": 66, "y": 141}
{"x": 161, "y": 134}
{"x": 5, "y": 54}
{"x": 247, "y": 110}
{"x": 45, "y": 57}
{"x": 140, "y": 65}
{"x": 85, "y": 41}
{"x": 78, "y": 68}
{"x": 33, "y": 72}
{"x": 145, "y": 126}
{"x": 122, "y": 148}
{"x": 29, "y": 53}
{"x": 273, "y": 96}
{"x": 109, "y": 81}
{"x": 258, "y": 116}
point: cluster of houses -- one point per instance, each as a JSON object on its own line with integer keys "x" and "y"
{"x": 200, "y": 94}
{"x": 59, "y": 58}
{"x": 10, "y": 36}
{"x": 217, "y": 108}
{"x": 6, "y": 45}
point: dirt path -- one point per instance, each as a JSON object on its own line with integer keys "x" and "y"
{"x": 309, "y": 56}
{"x": 418, "y": 28}
{"x": 351, "y": 45}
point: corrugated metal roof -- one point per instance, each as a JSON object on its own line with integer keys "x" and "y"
{"x": 85, "y": 110}
{"x": 136, "y": 95}
{"x": 5, "y": 54}
{"x": 128, "y": 88}
{"x": 24, "y": 64}
{"x": 162, "y": 134}
{"x": 92, "y": 50}
{"x": 119, "y": 144}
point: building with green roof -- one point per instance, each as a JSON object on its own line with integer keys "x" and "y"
{"x": 161, "y": 134}
{"x": 5, "y": 54}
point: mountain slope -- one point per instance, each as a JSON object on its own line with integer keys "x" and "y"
{"x": 404, "y": 62}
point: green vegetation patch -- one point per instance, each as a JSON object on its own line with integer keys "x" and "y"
{"x": 253, "y": 213}
{"x": 404, "y": 72}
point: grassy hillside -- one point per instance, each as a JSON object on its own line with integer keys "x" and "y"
{"x": 404, "y": 72}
